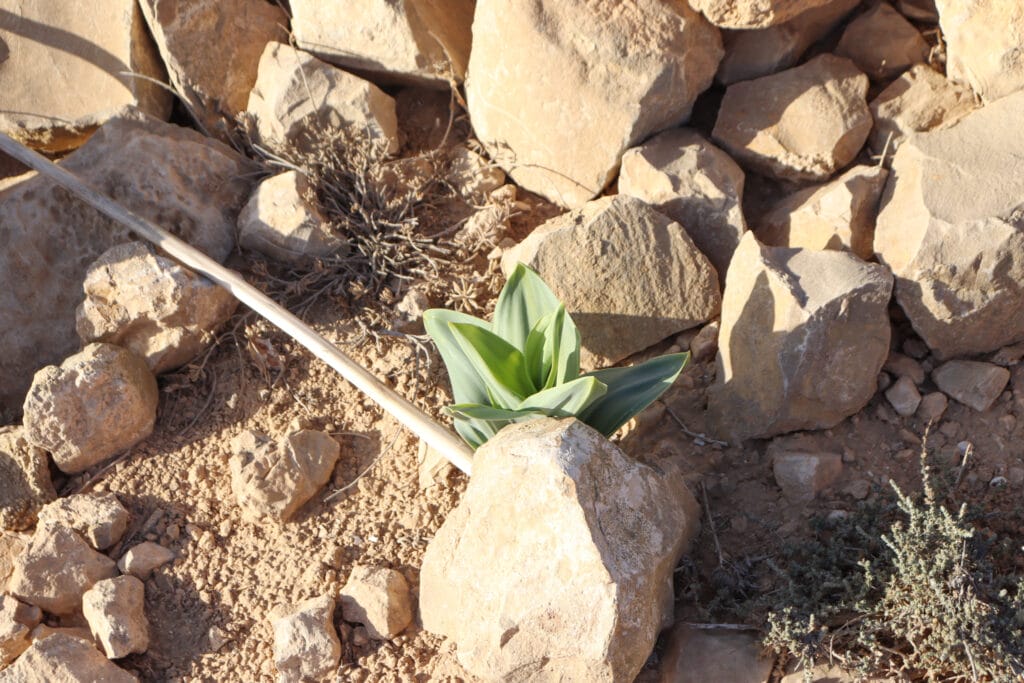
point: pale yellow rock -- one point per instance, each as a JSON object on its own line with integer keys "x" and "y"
{"x": 142, "y": 559}
{"x": 61, "y": 69}
{"x": 559, "y": 89}
{"x": 882, "y": 43}
{"x": 16, "y": 622}
{"x": 838, "y": 215}
{"x": 62, "y": 658}
{"x": 306, "y": 646}
{"x": 984, "y": 44}
{"x": 297, "y": 98}
{"x": 747, "y": 14}
{"x": 379, "y": 599}
{"x": 802, "y": 124}
{"x": 100, "y": 518}
{"x": 97, "y": 403}
{"x": 25, "y": 473}
{"x": 116, "y": 611}
{"x": 11, "y": 546}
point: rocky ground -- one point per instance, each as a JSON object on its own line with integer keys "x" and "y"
{"x": 822, "y": 201}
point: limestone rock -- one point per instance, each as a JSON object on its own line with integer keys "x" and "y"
{"x": 306, "y": 646}
{"x": 694, "y": 183}
{"x": 433, "y": 468}
{"x": 12, "y": 544}
{"x": 212, "y": 51}
{"x": 61, "y": 69}
{"x": 696, "y": 655}
{"x": 44, "y": 631}
{"x": 754, "y": 53}
{"x": 274, "y": 480}
{"x": 933, "y": 406}
{"x": 704, "y": 344}
{"x": 565, "y": 575}
{"x": 558, "y": 90}
{"x": 56, "y": 568}
{"x": 903, "y": 396}
{"x": 753, "y": 13}
{"x": 882, "y": 43}
{"x": 803, "y": 336}
{"x": 189, "y": 184}
{"x": 142, "y": 559}
{"x": 65, "y": 659}
{"x": 628, "y": 276}
{"x": 16, "y": 622}
{"x": 920, "y": 100}
{"x": 98, "y": 517}
{"x": 972, "y": 383}
{"x": 378, "y": 598}
{"x": 802, "y": 124}
{"x": 149, "y": 304}
{"x": 418, "y": 42}
{"x": 837, "y": 215}
{"x": 296, "y": 95}
{"x": 116, "y": 612}
{"x": 97, "y": 403}
{"x": 25, "y": 473}
{"x": 984, "y": 44}
{"x": 801, "y": 476}
{"x": 281, "y": 222}
{"x": 953, "y": 238}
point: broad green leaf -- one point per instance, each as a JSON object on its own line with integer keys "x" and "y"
{"x": 475, "y": 411}
{"x": 523, "y": 301}
{"x": 567, "y": 399}
{"x": 501, "y": 366}
{"x": 630, "y": 390}
{"x": 467, "y": 385}
{"x": 567, "y": 356}
{"x": 476, "y": 432}
{"x": 538, "y": 348}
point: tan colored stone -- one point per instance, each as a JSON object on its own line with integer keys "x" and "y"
{"x": 882, "y": 43}
{"x": 62, "y": 70}
{"x": 306, "y": 646}
{"x": 837, "y": 215}
{"x": 984, "y": 44}
{"x": 694, "y": 183}
{"x": 16, "y": 622}
{"x": 189, "y": 184}
{"x": 98, "y": 517}
{"x": 56, "y": 568}
{"x": 149, "y": 304}
{"x": 802, "y": 124}
{"x": 753, "y": 13}
{"x": 566, "y": 575}
{"x": 558, "y": 90}
{"x": 61, "y": 658}
{"x": 472, "y": 176}
{"x": 116, "y": 612}
{"x": 418, "y": 42}
{"x": 704, "y": 345}
{"x": 142, "y": 559}
{"x": 903, "y": 396}
{"x": 97, "y": 403}
{"x": 933, "y": 406}
{"x": 920, "y": 100}
{"x": 802, "y": 475}
{"x": 26, "y": 488}
{"x": 953, "y": 237}
{"x": 695, "y": 655}
{"x": 281, "y": 222}
{"x": 81, "y": 632}
{"x": 972, "y": 383}
{"x": 274, "y": 480}
{"x": 628, "y": 276}
{"x": 297, "y": 96}
{"x": 378, "y": 598}
{"x": 804, "y": 335}
{"x": 754, "y": 53}
{"x": 212, "y": 49}
{"x": 11, "y": 546}
{"x": 433, "y": 467}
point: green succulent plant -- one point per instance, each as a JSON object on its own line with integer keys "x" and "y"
{"x": 526, "y": 364}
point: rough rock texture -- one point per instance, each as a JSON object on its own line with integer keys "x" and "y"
{"x": 984, "y": 44}
{"x": 142, "y": 559}
{"x": 694, "y": 183}
{"x": 920, "y": 100}
{"x": 306, "y": 646}
{"x": 420, "y": 42}
{"x": 628, "y": 276}
{"x": 753, "y": 13}
{"x": 98, "y": 517}
{"x": 474, "y": 177}
{"x": 755, "y": 53}
{"x": 804, "y": 334}
{"x": 149, "y": 304}
{"x": 972, "y": 383}
{"x": 378, "y": 598}
{"x": 564, "y": 576}
{"x": 801, "y": 476}
{"x": 65, "y": 659}
{"x": 97, "y": 403}
{"x": 280, "y": 222}
{"x": 837, "y": 215}
{"x": 695, "y": 655}
{"x": 25, "y": 477}
{"x": 16, "y": 622}
{"x": 932, "y": 407}
{"x": 12, "y": 544}
{"x": 190, "y": 185}
{"x": 297, "y": 95}
{"x": 954, "y": 238}
{"x": 559, "y": 89}
{"x": 274, "y": 480}
{"x": 116, "y": 612}
{"x": 903, "y": 396}
{"x": 802, "y": 124}
{"x": 882, "y": 43}
{"x": 212, "y": 50}
{"x": 56, "y": 568}
{"x": 60, "y": 69}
